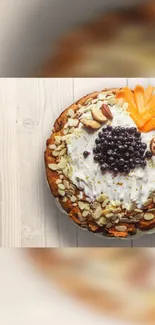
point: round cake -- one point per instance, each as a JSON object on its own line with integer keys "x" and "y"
{"x": 116, "y": 44}
{"x": 118, "y": 283}
{"x": 100, "y": 162}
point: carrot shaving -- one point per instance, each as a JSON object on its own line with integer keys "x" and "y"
{"x": 141, "y": 106}
{"x": 148, "y": 93}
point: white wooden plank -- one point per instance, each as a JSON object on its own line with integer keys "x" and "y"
{"x": 9, "y": 162}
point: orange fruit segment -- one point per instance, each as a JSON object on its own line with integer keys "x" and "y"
{"x": 147, "y": 94}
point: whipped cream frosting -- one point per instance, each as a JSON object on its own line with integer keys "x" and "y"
{"x": 134, "y": 187}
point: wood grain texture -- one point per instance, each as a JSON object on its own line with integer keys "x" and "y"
{"x": 28, "y": 215}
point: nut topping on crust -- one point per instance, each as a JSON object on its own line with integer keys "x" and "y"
{"x": 106, "y": 111}
{"x": 152, "y": 146}
{"x": 98, "y": 116}
{"x": 90, "y": 124}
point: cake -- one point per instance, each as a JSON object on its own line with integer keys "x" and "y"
{"x": 100, "y": 162}
{"x": 115, "y": 44}
{"x": 118, "y": 283}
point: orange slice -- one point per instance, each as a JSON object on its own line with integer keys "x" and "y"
{"x": 149, "y": 126}
{"x": 147, "y": 94}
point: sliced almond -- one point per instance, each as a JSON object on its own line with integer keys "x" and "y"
{"x": 98, "y": 116}
{"x": 96, "y": 205}
{"x": 97, "y": 214}
{"x": 81, "y": 205}
{"x": 102, "y": 198}
{"x": 116, "y": 203}
{"x": 66, "y": 131}
{"x": 53, "y": 166}
{"x": 70, "y": 113}
{"x": 151, "y": 210}
{"x": 90, "y": 124}
{"x": 106, "y": 111}
{"x": 105, "y": 203}
{"x": 61, "y": 176}
{"x": 71, "y": 130}
{"x": 102, "y": 221}
{"x": 73, "y": 122}
{"x": 109, "y": 215}
{"x": 89, "y": 100}
{"x": 73, "y": 198}
{"x": 61, "y": 186}
{"x": 106, "y": 211}
{"x": 63, "y": 163}
{"x": 109, "y": 225}
{"x": 60, "y": 147}
{"x": 52, "y": 146}
{"x": 58, "y": 181}
{"x": 152, "y": 146}
{"x": 63, "y": 152}
{"x": 117, "y": 210}
{"x": 85, "y": 213}
{"x": 139, "y": 216}
{"x": 58, "y": 139}
{"x": 149, "y": 216}
{"x": 121, "y": 228}
{"x": 65, "y": 199}
{"x": 147, "y": 202}
{"x": 74, "y": 204}
{"x": 66, "y": 184}
{"x": 62, "y": 193}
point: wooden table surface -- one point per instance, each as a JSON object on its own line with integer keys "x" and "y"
{"x": 28, "y": 215}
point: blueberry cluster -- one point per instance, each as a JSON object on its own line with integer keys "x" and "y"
{"x": 120, "y": 149}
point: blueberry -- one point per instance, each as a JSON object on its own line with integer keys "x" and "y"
{"x": 110, "y": 152}
{"x": 97, "y": 141}
{"x": 144, "y": 145}
{"x": 100, "y": 135}
{"x": 121, "y": 148}
{"x": 148, "y": 154}
{"x": 95, "y": 150}
{"x": 127, "y": 155}
{"x": 121, "y": 161}
{"x": 96, "y": 158}
{"x": 115, "y": 170}
{"x": 109, "y": 128}
{"x": 137, "y": 161}
{"x": 144, "y": 163}
{"x": 86, "y": 154}
{"x": 131, "y": 149}
{"x": 111, "y": 159}
{"x": 137, "y": 134}
{"x": 104, "y": 167}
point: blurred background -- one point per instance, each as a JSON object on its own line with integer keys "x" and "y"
{"x": 37, "y": 286}
{"x": 31, "y": 32}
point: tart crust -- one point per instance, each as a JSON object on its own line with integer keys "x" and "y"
{"x": 70, "y": 206}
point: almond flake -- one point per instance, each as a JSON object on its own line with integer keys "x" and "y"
{"x": 66, "y": 184}
{"x": 98, "y": 116}
{"x": 96, "y": 205}
{"x": 147, "y": 202}
{"x": 85, "y": 213}
{"x": 63, "y": 152}
{"x": 81, "y": 205}
{"x": 73, "y": 122}
{"x": 105, "y": 203}
{"x": 63, "y": 163}
{"x": 74, "y": 204}
{"x": 66, "y": 131}
{"x": 73, "y": 198}
{"x": 121, "y": 228}
{"x": 89, "y": 100}
{"x": 109, "y": 215}
{"x": 62, "y": 193}
{"x": 117, "y": 210}
{"x": 109, "y": 225}
{"x": 90, "y": 124}
{"x": 97, "y": 214}
{"x": 58, "y": 139}
{"x": 52, "y": 146}
{"x": 102, "y": 198}
{"x": 149, "y": 216}
{"x": 139, "y": 216}
{"x": 65, "y": 199}
{"x": 53, "y": 166}
{"x": 61, "y": 186}
{"x": 71, "y": 130}
{"x": 106, "y": 211}
{"x": 58, "y": 181}
{"x": 60, "y": 147}
{"x": 70, "y": 113}
{"x": 102, "y": 221}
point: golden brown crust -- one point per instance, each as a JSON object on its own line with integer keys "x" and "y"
{"x": 74, "y": 212}
{"x": 69, "y": 53}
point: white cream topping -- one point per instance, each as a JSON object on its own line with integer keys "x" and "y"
{"x": 135, "y": 187}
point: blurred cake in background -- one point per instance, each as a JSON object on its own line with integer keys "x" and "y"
{"x": 116, "y": 44}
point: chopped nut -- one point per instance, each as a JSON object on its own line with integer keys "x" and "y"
{"x": 62, "y": 193}
{"x": 105, "y": 203}
{"x": 89, "y": 100}
{"x": 96, "y": 205}
{"x": 147, "y": 202}
{"x": 73, "y": 122}
{"x": 102, "y": 198}
{"x": 90, "y": 124}
{"x": 149, "y": 216}
{"x": 97, "y": 214}
{"x": 61, "y": 186}
{"x": 102, "y": 221}
{"x": 58, "y": 181}
{"x": 70, "y": 113}
{"x": 66, "y": 131}
{"x": 117, "y": 210}
{"x": 81, "y": 205}
{"x": 121, "y": 228}
{"x": 98, "y": 116}
{"x": 85, "y": 213}
{"x": 52, "y": 146}
{"x": 53, "y": 166}
{"x": 66, "y": 184}
{"x": 106, "y": 111}
{"x": 60, "y": 147}
{"x": 73, "y": 198}
{"x": 65, "y": 199}
{"x": 152, "y": 146}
